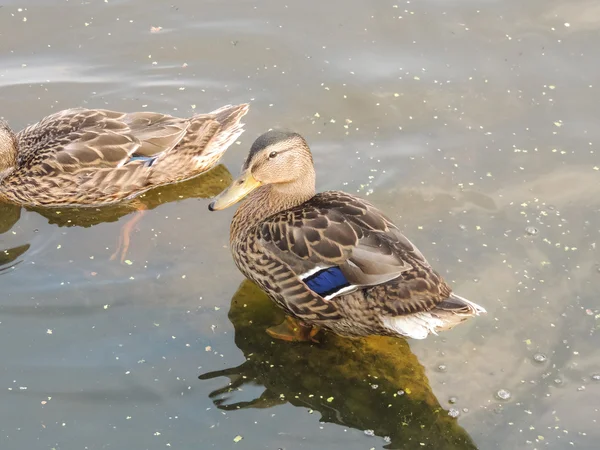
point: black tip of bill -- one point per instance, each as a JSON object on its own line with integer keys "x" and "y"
{"x": 211, "y": 206}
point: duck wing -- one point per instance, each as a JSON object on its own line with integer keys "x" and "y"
{"x": 79, "y": 138}
{"x": 336, "y": 243}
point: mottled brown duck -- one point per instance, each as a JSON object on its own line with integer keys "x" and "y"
{"x": 330, "y": 260}
{"x": 93, "y": 157}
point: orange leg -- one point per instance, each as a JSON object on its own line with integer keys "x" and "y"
{"x": 124, "y": 236}
{"x": 293, "y": 330}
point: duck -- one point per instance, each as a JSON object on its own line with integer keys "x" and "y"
{"x": 331, "y": 260}
{"x": 95, "y": 157}
{"x": 83, "y": 157}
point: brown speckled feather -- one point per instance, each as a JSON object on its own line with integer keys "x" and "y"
{"x": 337, "y": 229}
{"x": 93, "y": 157}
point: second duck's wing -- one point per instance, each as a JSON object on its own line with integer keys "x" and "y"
{"x": 76, "y": 139}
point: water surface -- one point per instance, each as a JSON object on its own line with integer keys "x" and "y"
{"x": 472, "y": 124}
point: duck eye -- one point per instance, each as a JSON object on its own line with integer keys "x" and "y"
{"x": 272, "y": 155}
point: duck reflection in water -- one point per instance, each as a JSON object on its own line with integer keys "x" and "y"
{"x": 206, "y": 185}
{"x": 373, "y": 383}
{"x": 9, "y": 216}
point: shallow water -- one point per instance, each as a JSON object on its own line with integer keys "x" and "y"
{"x": 473, "y": 124}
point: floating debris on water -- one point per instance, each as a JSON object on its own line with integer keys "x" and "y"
{"x": 369, "y": 433}
{"x": 531, "y": 231}
{"x": 453, "y": 412}
{"x": 452, "y": 400}
{"x": 237, "y": 439}
{"x": 503, "y": 394}
{"x": 539, "y": 357}
{"x": 442, "y": 368}
{"x": 596, "y": 377}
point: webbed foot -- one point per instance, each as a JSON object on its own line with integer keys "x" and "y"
{"x": 292, "y": 330}
{"x": 125, "y": 235}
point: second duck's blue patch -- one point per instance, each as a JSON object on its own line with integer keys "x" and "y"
{"x": 149, "y": 159}
{"x": 327, "y": 281}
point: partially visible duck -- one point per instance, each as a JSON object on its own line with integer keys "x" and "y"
{"x": 93, "y": 157}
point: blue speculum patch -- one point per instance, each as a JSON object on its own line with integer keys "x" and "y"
{"x": 327, "y": 281}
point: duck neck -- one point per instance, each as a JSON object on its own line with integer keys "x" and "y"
{"x": 8, "y": 150}
{"x": 268, "y": 200}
